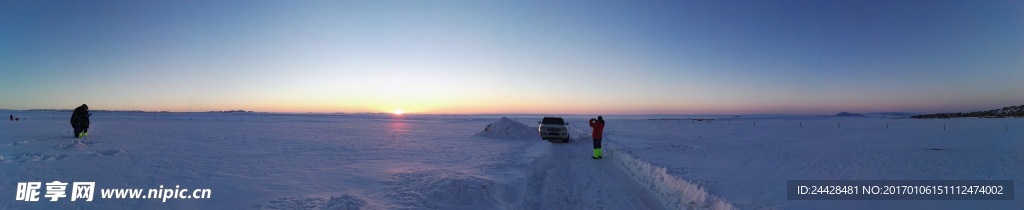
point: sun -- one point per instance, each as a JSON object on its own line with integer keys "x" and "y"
{"x": 398, "y": 112}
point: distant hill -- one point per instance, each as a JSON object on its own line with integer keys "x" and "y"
{"x": 1010, "y": 111}
{"x": 847, "y": 114}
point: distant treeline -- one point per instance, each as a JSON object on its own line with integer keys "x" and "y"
{"x": 230, "y": 111}
{"x": 138, "y": 111}
{"x": 1010, "y": 111}
{"x": 95, "y": 110}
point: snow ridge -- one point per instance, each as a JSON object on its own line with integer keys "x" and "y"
{"x": 674, "y": 192}
{"x": 506, "y": 128}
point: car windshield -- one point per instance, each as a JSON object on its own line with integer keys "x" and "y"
{"x": 552, "y": 120}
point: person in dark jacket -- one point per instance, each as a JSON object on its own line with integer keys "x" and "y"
{"x": 598, "y": 126}
{"x": 80, "y": 121}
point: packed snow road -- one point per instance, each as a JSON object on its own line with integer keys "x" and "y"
{"x": 568, "y": 178}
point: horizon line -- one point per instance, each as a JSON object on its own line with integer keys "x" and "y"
{"x": 427, "y": 113}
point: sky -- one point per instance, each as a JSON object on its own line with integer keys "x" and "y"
{"x": 544, "y": 57}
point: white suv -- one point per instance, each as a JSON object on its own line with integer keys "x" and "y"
{"x": 553, "y": 128}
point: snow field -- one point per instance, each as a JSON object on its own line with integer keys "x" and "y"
{"x": 311, "y": 162}
{"x": 748, "y": 161}
{"x": 275, "y": 161}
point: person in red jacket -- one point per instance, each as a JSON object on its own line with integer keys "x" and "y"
{"x": 598, "y": 126}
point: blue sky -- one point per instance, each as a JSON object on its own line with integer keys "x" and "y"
{"x": 566, "y": 57}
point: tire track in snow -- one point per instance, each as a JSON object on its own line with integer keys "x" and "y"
{"x": 622, "y": 180}
{"x": 611, "y": 183}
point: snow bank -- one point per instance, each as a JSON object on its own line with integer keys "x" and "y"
{"x": 540, "y": 181}
{"x": 506, "y": 128}
{"x": 674, "y": 192}
{"x": 441, "y": 189}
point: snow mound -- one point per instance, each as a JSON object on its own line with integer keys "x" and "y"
{"x": 344, "y": 202}
{"x": 674, "y": 192}
{"x": 441, "y": 189}
{"x": 506, "y": 128}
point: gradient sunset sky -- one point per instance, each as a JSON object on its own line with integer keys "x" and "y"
{"x": 559, "y": 57}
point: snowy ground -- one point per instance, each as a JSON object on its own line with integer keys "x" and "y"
{"x": 278, "y": 161}
{"x": 747, "y": 160}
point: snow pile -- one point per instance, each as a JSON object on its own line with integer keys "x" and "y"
{"x": 344, "y": 202}
{"x": 674, "y": 192}
{"x": 506, "y": 128}
{"x": 441, "y": 189}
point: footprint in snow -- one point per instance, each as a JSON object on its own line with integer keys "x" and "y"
{"x": 34, "y": 156}
{"x": 74, "y": 145}
{"x": 109, "y": 152}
